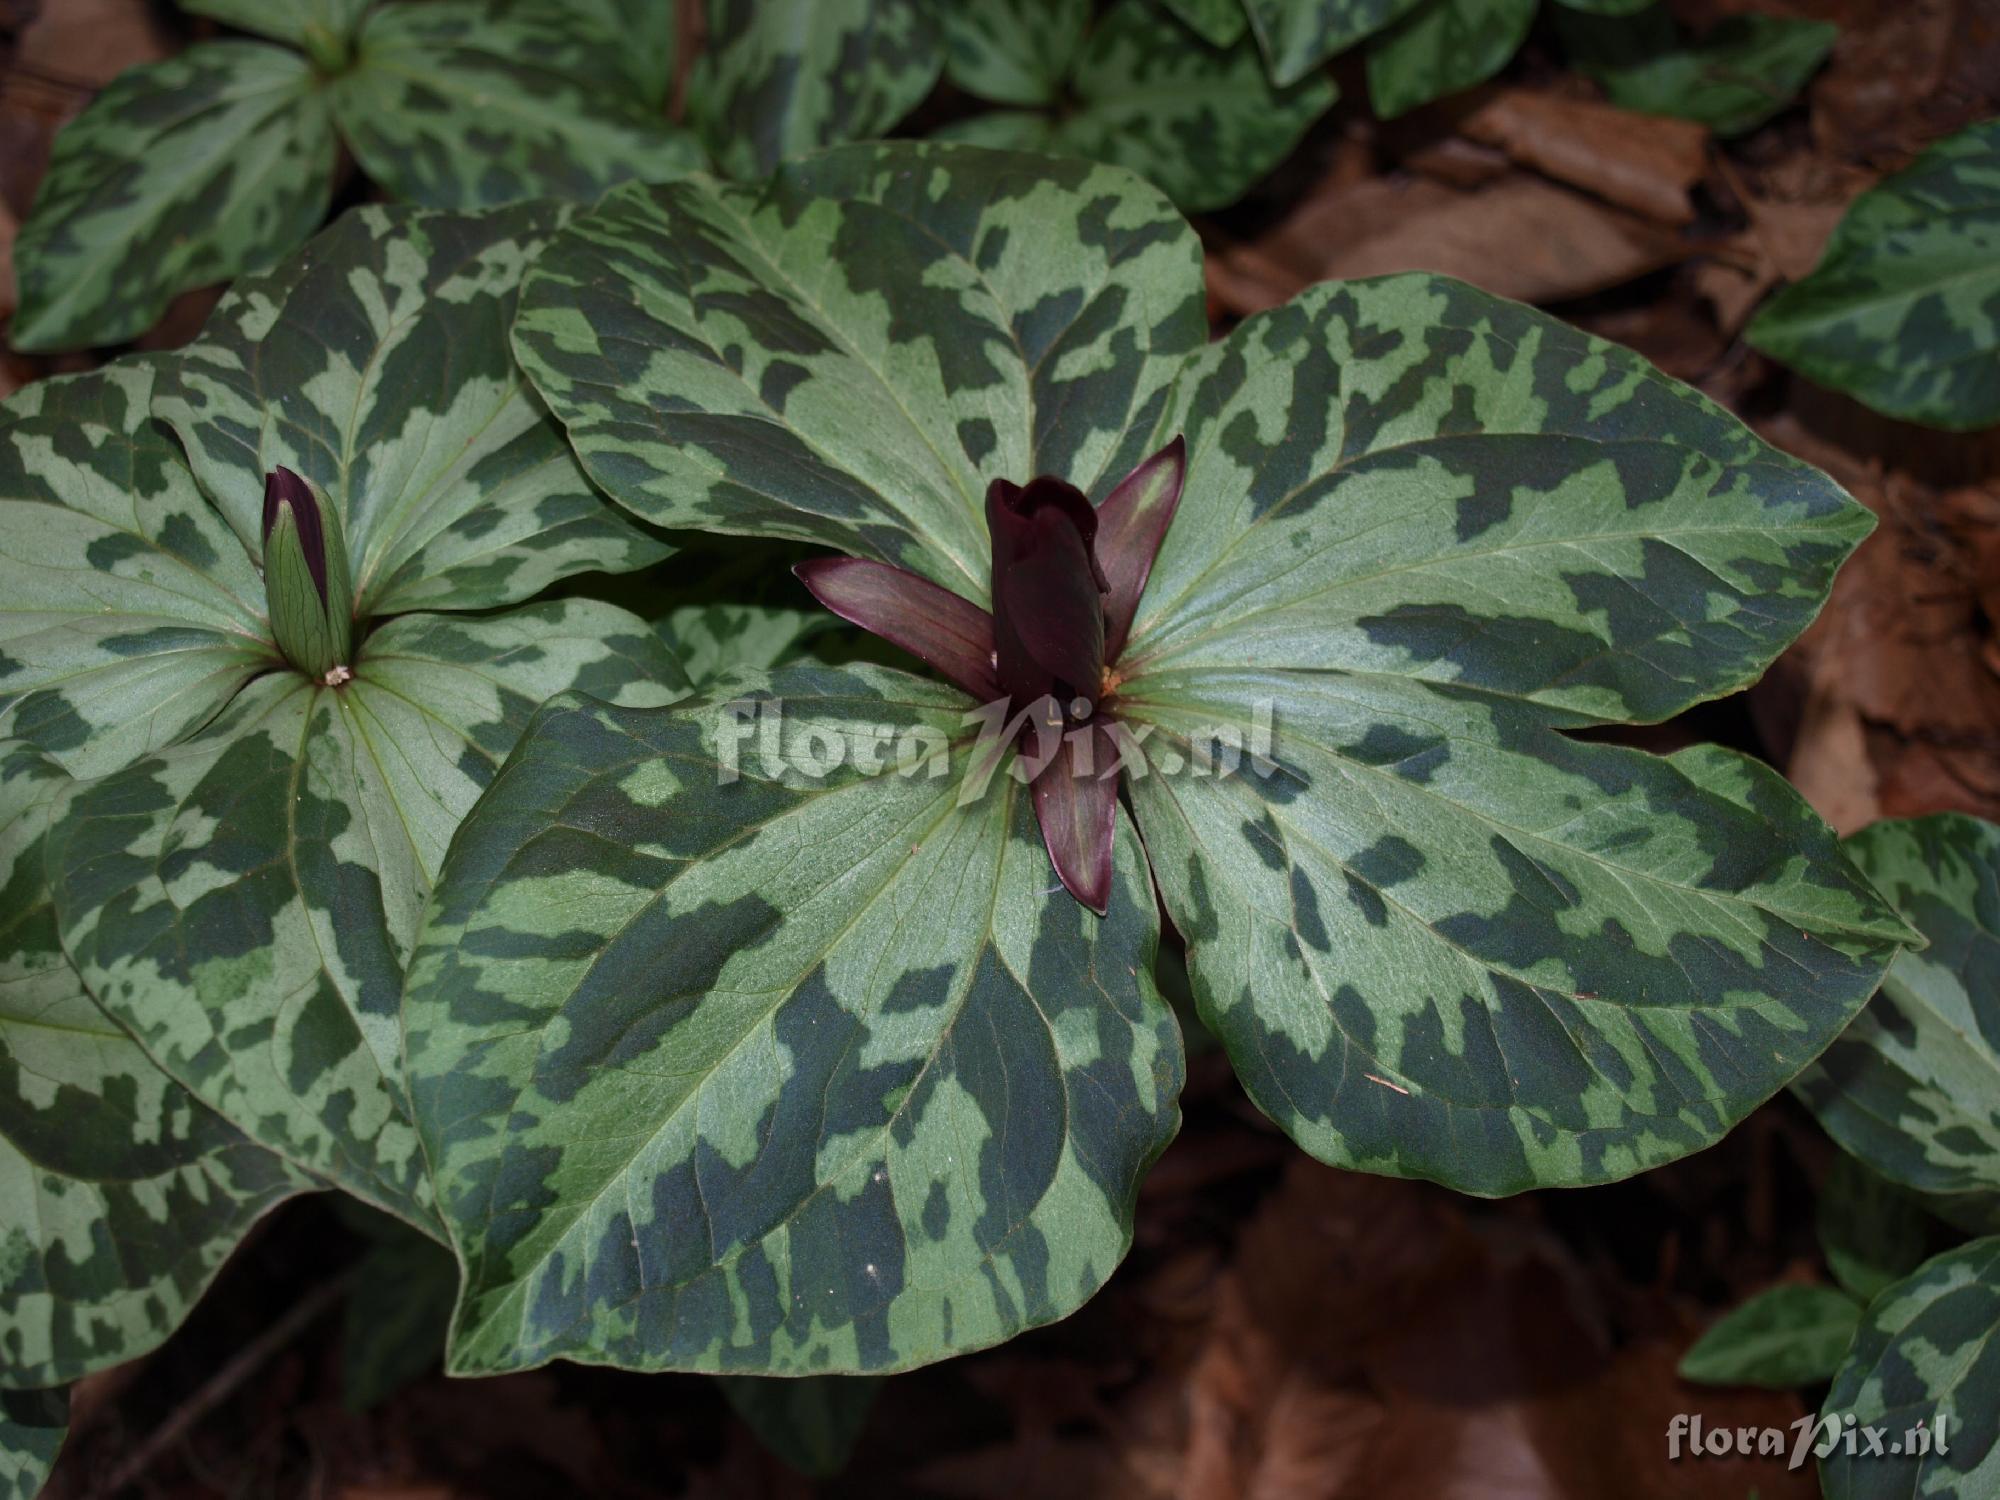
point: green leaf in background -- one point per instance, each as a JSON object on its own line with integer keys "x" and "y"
{"x": 1425, "y": 532}
{"x": 739, "y": 607}
{"x": 1013, "y": 51}
{"x": 1218, "y": 22}
{"x": 1910, "y": 1087}
{"x": 323, "y": 28}
{"x": 397, "y": 1314}
{"x": 33, "y": 1425}
{"x": 1782, "y": 1338}
{"x": 1732, "y": 78}
{"x": 1296, "y": 36}
{"x": 1903, "y": 310}
{"x": 377, "y": 365}
{"x": 456, "y": 104}
{"x": 778, "y": 78}
{"x": 1927, "y": 1356}
{"x": 129, "y": 612}
{"x": 120, "y": 1193}
{"x": 633, "y": 40}
{"x": 812, "y": 1423}
{"x": 848, "y": 354}
{"x": 1442, "y": 47}
{"x": 1871, "y": 1231}
{"x": 181, "y": 173}
{"x": 781, "y": 1073}
{"x": 1203, "y": 125}
{"x": 242, "y": 900}
{"x": 1609, "y": 7}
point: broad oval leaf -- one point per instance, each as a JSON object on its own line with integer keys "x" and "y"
{"x": 120, "y": 1193}
{"x": 1423, "y": 532}
{"x": 458, "y": 104}
{"x": 1298, "y": 35}
{"x": 244, "y": 902}
{"x": 779, "y": 78}
{"x": 377, "y": 365}
{"x": 1013, "y": 51}
{"x": 1927, "y": 1356}
{"x": 1782, "y": 1338}
{"x": 181, "y": 173}
{"x": 1441, "y": 47}
{"x": 1903, "y": 310}
{"x": 1871, "y": 1231}
{"x": 848, "y": 355}
{"x": 1202, "y": 124}
{"x": 33, "y": 1425}
{"x": 1220, "y": 23}
{"x": 787, "y": 1073}
{"x": 1911, "y": 1087}
{"x": 1732, "y": 77}
{"x": 129, "y": 613}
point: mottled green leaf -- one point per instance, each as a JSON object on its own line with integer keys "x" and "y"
{"x": 1912, "y": 1088}
{"x": 181, "y": 173}
{"x": 1424, "y": 532}
{"x": 129, "y": 613}
{"x": 377, "y": 365}
{"x": 1444, "y": 46}
{"x": 633, "y": 40}
{"x": 812, "y": 1423}
{"x": 778, "y": 78}
{"x": 1298, "y": 35}
{"x": 394, "y": 1324}
{"x": 243, "y": 902}
{"x": 738, "y": 607}
{"x": 323, "y": 27}
{"x": 1732, "y": 77}
{"x": 850, "y": 354}
{"x": 33, "y": 1425}
{"x": 1218, "y": 22}
{"x": 1903, "y": 310}
{"x": 1201, "y": 124}
{"x": 120, "y": 1194}
{"x": 459, "y": 104}
{"x": 1871, "y": 1231}
{"x": 1013, "y": 51}
{"x": 1781, "y": 1338}
{"x": 1927, "y": 1357}
{"x": 786, "y": 1073}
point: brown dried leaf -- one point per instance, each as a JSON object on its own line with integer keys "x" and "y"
{"x": 1522, "y": 237}
{"x": 1641, "y": 162}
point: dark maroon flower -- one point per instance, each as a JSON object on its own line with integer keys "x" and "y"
{"x": 1066, "y": 582}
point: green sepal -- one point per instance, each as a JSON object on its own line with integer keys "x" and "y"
{"x": 308, "y": 584}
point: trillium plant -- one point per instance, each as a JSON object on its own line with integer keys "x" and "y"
{"x": 368, "y": 850}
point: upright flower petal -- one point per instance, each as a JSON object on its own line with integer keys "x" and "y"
{"x": 931, "y": 623}
{"x": 1076, "y": 803}
{"x": 1048, "y": 591}
{"x": 1131, "y": 524}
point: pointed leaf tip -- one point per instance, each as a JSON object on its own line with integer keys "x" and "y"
{"x": 931, "y": 623}
{"x": 1131, "y": 524}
